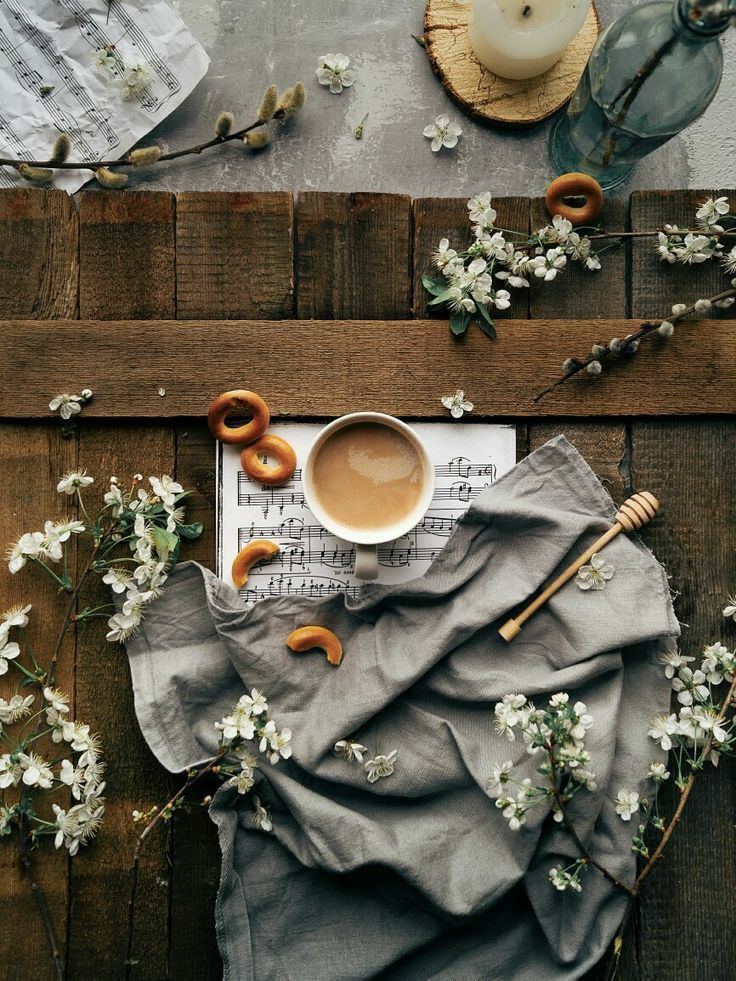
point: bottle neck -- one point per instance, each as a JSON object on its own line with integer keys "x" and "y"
{"x": 704, "y": 19}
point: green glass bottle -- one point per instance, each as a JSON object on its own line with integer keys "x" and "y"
{"x": 652, "y": 73}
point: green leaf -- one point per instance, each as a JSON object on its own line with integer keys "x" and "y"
{"x": 165, "y": 541}
{"x": 433, "y": 285}
{"x": 484, "y": 321}
{"x": 442, "y": 297}
{"x": 459, "y": 323}
{"x": 191, "y": 531}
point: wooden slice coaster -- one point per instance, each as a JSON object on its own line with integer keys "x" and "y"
{"x": 486, "y": 96}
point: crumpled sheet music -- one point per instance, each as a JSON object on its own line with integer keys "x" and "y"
{"x": 467, "y": 458}
{"x": 49, "y": 84}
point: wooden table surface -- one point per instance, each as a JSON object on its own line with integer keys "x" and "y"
{"x": 263, "y": 258}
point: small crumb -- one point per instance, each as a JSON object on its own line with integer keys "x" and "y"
{"x": 162, "y": 392}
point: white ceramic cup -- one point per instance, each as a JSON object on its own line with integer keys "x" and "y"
{"x": 367, "y": 540}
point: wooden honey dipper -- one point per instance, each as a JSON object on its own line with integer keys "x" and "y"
{"x": 635, "y": 512}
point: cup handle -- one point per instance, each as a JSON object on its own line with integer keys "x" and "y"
{"x": 366, "y": 562}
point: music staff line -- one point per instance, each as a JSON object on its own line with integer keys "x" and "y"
{"x": 316, "y": 587}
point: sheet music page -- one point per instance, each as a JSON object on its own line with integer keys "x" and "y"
{"x": 312, "y": 562}
{"x": 50, "y": 86}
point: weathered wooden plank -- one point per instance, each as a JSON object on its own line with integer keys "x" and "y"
{"x": 234, "y": 255}
{"x": 656, "y": 285}
{"x": 577, "y": 292}
{"x": 690, "y": 466}
{"x": 126, "y": 255}
{"x": 326, "y": 368}
{"x": 195, "y": 852}
{"x": 39, "y": 254}
{"x": 354, "y": 253}
{"x": 34, "y": 457}
{"x": 436, "y": 218}
{"x": 134, "y": 779}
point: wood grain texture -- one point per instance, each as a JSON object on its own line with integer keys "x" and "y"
{"x": 436, "y": 218}
{"x": 39, "y": 254}
{"x": 234, "y": 255}
{"x": 691, "y": 465}
{"x": 135, "y": 780}
{"x": 486, "y": 96}
{"x": 34, "y": 457}
{"x": 577, "y": 292}
{"x": 126, "y": 255}
{"x": 327, "y": 368}
{"x": 354, "y": 252}
{"x": 656, "y": 285}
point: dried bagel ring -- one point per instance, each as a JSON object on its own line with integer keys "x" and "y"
{"x": 575, "y": 186}
{"x": 307, "y": 638}
{"x": 237, "y": 401}
{"x": 254, "y": 551}
{"x": 264, "y": 473}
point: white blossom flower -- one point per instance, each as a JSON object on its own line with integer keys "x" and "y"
{"x": 664, "y": 249}
{"x": 563, "y": 880}
{"x": 261, "y": 817}
{"x": 380, "y": 766}
{"x": 595, "y": 575}
{"x": 444, "y": 254}
{"x": 67, "y": 405}
{"x": 696, "y": 249}
{"x": 547, "y": 266}
{"x": 499, "y": 778}
{"x": 729, "y": 261}
{"x": 7, "y": 816}
{"x": 710, "y": 213}
{"x": 729, "y": 610}
{"x": 662, "y": 727}
{"x": 36, "y": 771}
{"x": 280, "y": 746}
{"x": 9, "y": 650}
{"x": 165, "y": 488}
{"x": 334, "y": 70}
{"x": 457, "y": 404}
{"x": 627, "y": 803}
{"x": 118, "y": 578}
{"x": 481, "y": 211}
{"x": 243, "y": 781}
{"x": 673, "y": 661}
{"x": 690, "y": 685}
{"x": 559, "y": 231}
{"x": 238, "y": 725}
{"x": 443, "y": 132}
{"x": 15, "y": 709}
{"x": 255, "y": 703}
{"x": 77, "y": 825}
{"x": 16, "y": 616}
{"x": 11, "y": 771}
{"x": 514, "y": 809}
{"x": 559, "y": 700}
{"x": 114, "y": 497}
{"x": 27, "y": 545}
{"x": 122, "y": 626}
{"x": 74, "y": 777}
{"x": 718, "y": 663}
{"x": 138, "y": 76}
{"x": 103, "y": 58}
{"x": 349, "y": 750}
{"x": 709, "y": 721}
{"x": 658, "y": 772}
{"x": 509, "y": 713}
{"x": 494, "y": 245}
{"x": 76, "y": 734}
{"x": 73, "y": 481}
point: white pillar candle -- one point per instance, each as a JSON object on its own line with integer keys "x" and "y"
{"x": 523, "y": 38}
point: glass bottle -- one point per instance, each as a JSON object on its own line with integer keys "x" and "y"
{"x": 652, "y": 73}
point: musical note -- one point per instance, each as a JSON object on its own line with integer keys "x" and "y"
{"x": 313, "y": 562}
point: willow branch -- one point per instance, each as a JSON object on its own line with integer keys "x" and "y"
{"x": 163, "y": 814}
{"x": 646, "y": 328}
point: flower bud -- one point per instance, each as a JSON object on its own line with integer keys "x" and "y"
{"x": 299, "y": 97}
{"x": 702, "y": 305}
{"x": 598, "y": 350}
{"x": 223, "y": 124}
{"x": 679, "y": 308}
{"x": 37, "y": 174}
{"x": 666, "y": 329}
{"x": 109, "y": 179}
{"x": 594, "y": 368}
{"x": 61, "y": 148}
{"x": 268, "y": 104}
{"x": 144, "y": 156}
{"x": 615, "y": 345}
{"x": 257, "y": 140}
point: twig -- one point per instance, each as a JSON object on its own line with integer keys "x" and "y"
{"x": 646, "y": 328}
{"x": 38, "y": 895}
{"x": 589, "y": 860}
{"x": 125, "y": 161}
{"x": 162, "y": 814}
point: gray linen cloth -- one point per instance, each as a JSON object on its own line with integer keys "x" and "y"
{"x": 418, "y": 876}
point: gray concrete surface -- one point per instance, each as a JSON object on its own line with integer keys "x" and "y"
{"x": 253, "y": 42}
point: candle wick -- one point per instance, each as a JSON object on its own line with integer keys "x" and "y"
{"x": 526, "y": 11}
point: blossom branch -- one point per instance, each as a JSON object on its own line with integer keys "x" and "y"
{"x": 38, "y": 894}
